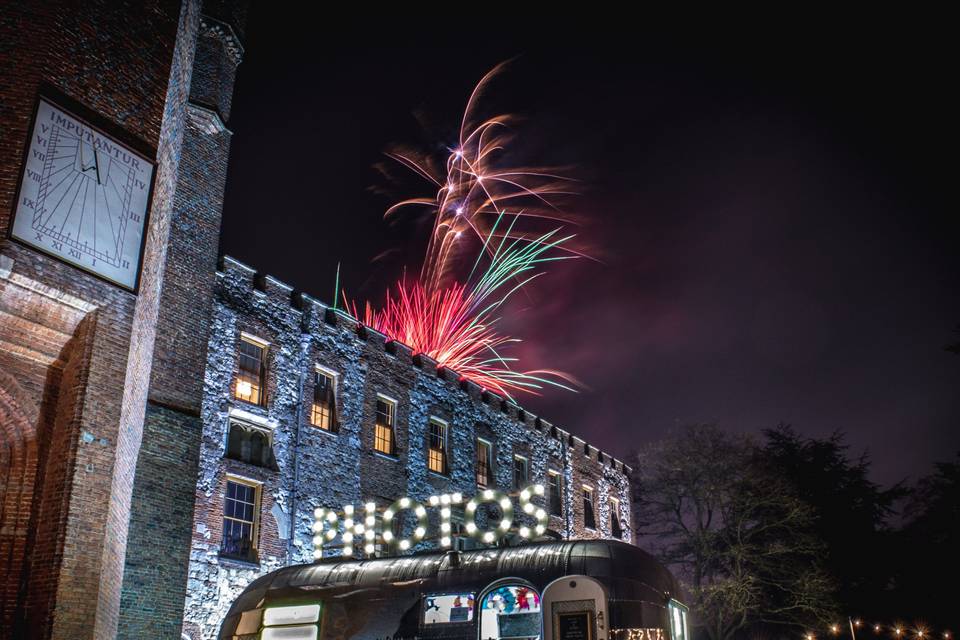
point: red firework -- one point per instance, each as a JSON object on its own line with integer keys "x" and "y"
{"x": 454, "y": 319}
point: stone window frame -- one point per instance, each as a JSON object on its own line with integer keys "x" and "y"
{"x": 491, "y": 475}
{"x": 551, "y": 474}
{"x": 257, "y": 486}
{"x": 334, "y": 428}
{"x": 264, "y": 345}
{"x": 393, "y": 428}
{"x": 446, "y": 445}
{"x": 526, "y": 471}
{"x": 614, "y": 508}
{"x": 585, "y": 488}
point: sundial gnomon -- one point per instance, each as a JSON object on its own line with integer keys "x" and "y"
{"x": 84, "y": 198}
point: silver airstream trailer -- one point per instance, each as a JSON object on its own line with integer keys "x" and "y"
{"x": 571, "y": 590}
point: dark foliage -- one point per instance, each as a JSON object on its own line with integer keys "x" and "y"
{"x": 851, "y": 513}
{"x": 742, "y": 541}
{"x": 790, "y": 534}
{"x": 926, "y": 554}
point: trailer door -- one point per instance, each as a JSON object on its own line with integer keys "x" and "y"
{"x": 575, "y": 608}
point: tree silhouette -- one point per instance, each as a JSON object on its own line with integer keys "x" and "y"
{"x": 850, "y": 512}
{"x": 928, "y": 550}
{"x": 712, "y": 506}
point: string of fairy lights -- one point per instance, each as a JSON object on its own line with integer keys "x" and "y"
{"x": 898, "y": 631}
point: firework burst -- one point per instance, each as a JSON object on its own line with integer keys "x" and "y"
{"x": 494, "y": 214}
{"x": 476, "y": 186}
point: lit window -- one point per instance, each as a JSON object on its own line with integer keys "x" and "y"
{"x": 240, "y": 517}
{"x": 556, "y": 495}
{"x": 513, "y": 611}
{"x": 249, "y": 444}
{"x": 616, "y": 529}
{"x": 440, "y": 608}
{"x": 437, "y": 452}
{"x": 296, "y": 622}
{"x": 383, "y": 436}
{"x": 520, "y": 474}
{"x": 250, "y": 375}
{"x": 324, "y": 409}
{"x": 484, "y": 463}
{"x": 678, "y": 620}
{"x": 589, "y": 519}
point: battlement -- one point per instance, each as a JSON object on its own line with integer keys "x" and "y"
{"x": 245, "y": 280}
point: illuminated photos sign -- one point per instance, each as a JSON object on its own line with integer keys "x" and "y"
{"x": 352, "y": 527}
{"x": 637, "y": 634}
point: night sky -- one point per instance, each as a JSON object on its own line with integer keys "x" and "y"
{"x": 777, "y": 233}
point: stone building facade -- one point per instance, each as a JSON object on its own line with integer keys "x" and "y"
{"x": 92, "y": 400}
{"x": 123, "y": 441}
{"x": 298, "y": 448}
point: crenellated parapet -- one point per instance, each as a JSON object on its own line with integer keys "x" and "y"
{"x": 246, "y": 282}
{"x": 327, "y": 457}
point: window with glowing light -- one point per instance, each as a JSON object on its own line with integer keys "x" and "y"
{"x": 240, "y": 520}
{"x": 297, "y": 622}
{"x": 324, "y": 408}
{"x": 437, "y": 451}
{"x": 383, "y": 436}
{"x": 556, "y": 494}
{"x": 440, "y": 608}
{"x": 520, "y": 472}
{"x": 616, "y": 529}
{"x": 251, "y": 371}
{"x": 484, "y": 463}
{"x": 678, "y": 621}
{"x": 589, "y": 516}
{"x": 510, "y": 611}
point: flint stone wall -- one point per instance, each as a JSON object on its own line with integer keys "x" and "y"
{"x": 318, "y": 468}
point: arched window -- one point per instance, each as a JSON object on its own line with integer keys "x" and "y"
{"x": 510, "y": 609}
{"x": 258, "y": 444}
{"x": 250, "y": 444}
{"x": 235, "y": 442}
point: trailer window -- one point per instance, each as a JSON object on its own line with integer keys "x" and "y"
{"x": 511, "y": 611}
{"x": 373, "y": 613}
{"x": 678, "y": 620}
{"x": 448, "y": 607}
{"x": 298, "y": 622}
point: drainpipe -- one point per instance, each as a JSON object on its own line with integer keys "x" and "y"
{"x": 568, "y": 497}
{"x": 304, "y": 350}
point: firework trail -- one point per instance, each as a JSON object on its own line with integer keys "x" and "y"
{"x": 495, "y": 210}
{"x": 476, "y": 187}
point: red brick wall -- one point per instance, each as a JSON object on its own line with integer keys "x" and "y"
{"x": 18, "y": 469}
{"x": 65, "y": 336}
{"x": 56, "y": 506}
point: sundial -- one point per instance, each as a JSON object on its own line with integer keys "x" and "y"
{"x": 83, "y": 196}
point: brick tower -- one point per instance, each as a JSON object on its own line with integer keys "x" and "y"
{"x": 113, "y": 156}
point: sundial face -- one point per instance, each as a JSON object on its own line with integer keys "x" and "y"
{"x": 83, "y": 197}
